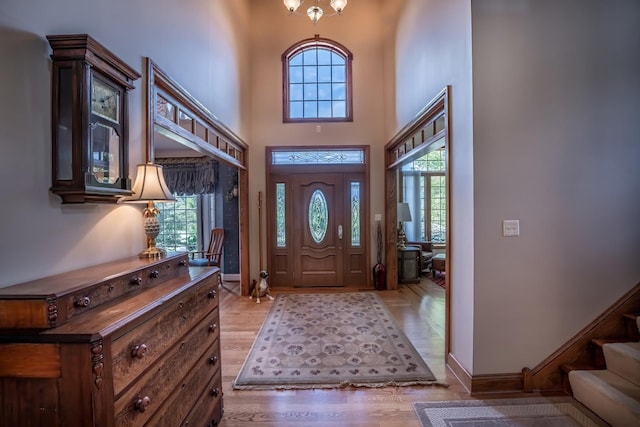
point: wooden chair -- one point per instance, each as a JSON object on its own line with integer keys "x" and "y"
{"x": 426, "y": 251}
{"x": 213, "y": 255}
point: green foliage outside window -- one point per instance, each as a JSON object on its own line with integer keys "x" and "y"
{"x": 179, "y": 224}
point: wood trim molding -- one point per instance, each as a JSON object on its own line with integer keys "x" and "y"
{"x": 214, "y": 139}
{"x": 496, "y": 383}
{"x": 547, "y": 376}
{"x": 208, "y": 135}
{"x": 485, "y": 384}
{"x": 459, "y": 371}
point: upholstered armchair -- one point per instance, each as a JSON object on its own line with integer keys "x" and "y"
{"x": 426, "y": 251}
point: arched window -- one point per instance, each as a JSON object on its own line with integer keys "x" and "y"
{"x": 317, "y": 82}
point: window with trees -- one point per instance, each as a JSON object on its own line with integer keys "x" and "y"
{"x": 317, "y": 82}
{"x": 183, "y": 221}
{"x": 425, "y": 190}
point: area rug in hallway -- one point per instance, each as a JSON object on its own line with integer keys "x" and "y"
{"x": 331, "y": 340}
{"x": 521, "y": 412}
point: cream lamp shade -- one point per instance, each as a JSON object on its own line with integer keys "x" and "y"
{"x": 150, "y": 187}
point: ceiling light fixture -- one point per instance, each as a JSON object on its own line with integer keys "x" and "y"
{"x": 315, "y": 12}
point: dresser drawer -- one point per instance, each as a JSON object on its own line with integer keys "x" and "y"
{"x": 186, "y": 402}
{"x": 86, "y": 299}
{"x": 148, "y": 394}
{"x": 139, "y": 348}
{"x": 208, "y": 409}
{"x": 52, "y": 302}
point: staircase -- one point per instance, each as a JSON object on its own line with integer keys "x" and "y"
{"x": 609, "y": 383}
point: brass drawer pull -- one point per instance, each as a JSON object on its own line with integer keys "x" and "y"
{"x": 83, "y": 302}
{"x": 212, "y": 294}
{"x": 136, "y": 280}
{"x": 142, "y": 404}
{"x": 155, "y": 274}
{"x": 213, "y": 360}
{"x": 139, "y": 351}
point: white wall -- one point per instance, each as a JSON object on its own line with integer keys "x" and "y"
{"x": 556, "y": 145}
{"x": 272, "y": 32}
{"x": 200, "y": 43}
{"x": 433, "y": 50}
{"x": 545, "y": 130}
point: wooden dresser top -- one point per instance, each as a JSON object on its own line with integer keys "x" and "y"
{"x": 72, "y": 281}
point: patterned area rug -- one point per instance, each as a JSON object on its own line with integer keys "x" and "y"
{"x": 525, "y": 412}
{"x": 330, "y": 341}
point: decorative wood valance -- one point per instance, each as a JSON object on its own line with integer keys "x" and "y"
{"x": 189, "y": 175}
{"x": 176, "y": 114}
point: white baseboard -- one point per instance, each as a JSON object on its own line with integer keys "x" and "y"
{"x": 231, "y": 277}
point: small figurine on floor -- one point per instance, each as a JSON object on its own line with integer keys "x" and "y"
{"x": 261, "y": 290}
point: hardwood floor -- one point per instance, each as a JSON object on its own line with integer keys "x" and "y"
{"x": 418, "y": 309}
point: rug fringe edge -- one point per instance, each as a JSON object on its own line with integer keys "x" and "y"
{"x": 346, "y": 384}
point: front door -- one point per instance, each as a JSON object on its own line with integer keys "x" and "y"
{"x": 316, "y": 226}
{"x": 318, "y": 230}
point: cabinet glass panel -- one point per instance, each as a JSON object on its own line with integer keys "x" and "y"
{"x": 105, "y": 153}
{"x": 105, "y": 101}
{"x": 64, "y": 141}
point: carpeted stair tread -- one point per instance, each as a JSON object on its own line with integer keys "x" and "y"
{"x": 610, "y": 396}
{"x": 623, "y": 359}
{"x": 577, "y": 366}
{"x": 600, "y": 342}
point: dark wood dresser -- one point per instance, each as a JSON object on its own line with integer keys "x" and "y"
{"x": 132, "y": 342}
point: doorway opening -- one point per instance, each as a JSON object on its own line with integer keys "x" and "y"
{"x": 418, "y": 175}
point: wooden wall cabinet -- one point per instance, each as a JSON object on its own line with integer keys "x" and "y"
{"x": 129, "y": 343}
{"x": 89, "y": 120}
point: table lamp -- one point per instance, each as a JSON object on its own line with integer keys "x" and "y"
{"x": 150, "y": 187}
{"x": 404, "y": 215}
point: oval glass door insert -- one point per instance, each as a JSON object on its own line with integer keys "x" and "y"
{"x": 318, "y": 216}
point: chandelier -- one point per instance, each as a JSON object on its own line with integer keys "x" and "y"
{"x": 315, "y": 12}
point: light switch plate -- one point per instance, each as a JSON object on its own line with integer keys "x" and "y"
{"x": 511, "y": 227}
{"x": 378, "y": 217}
